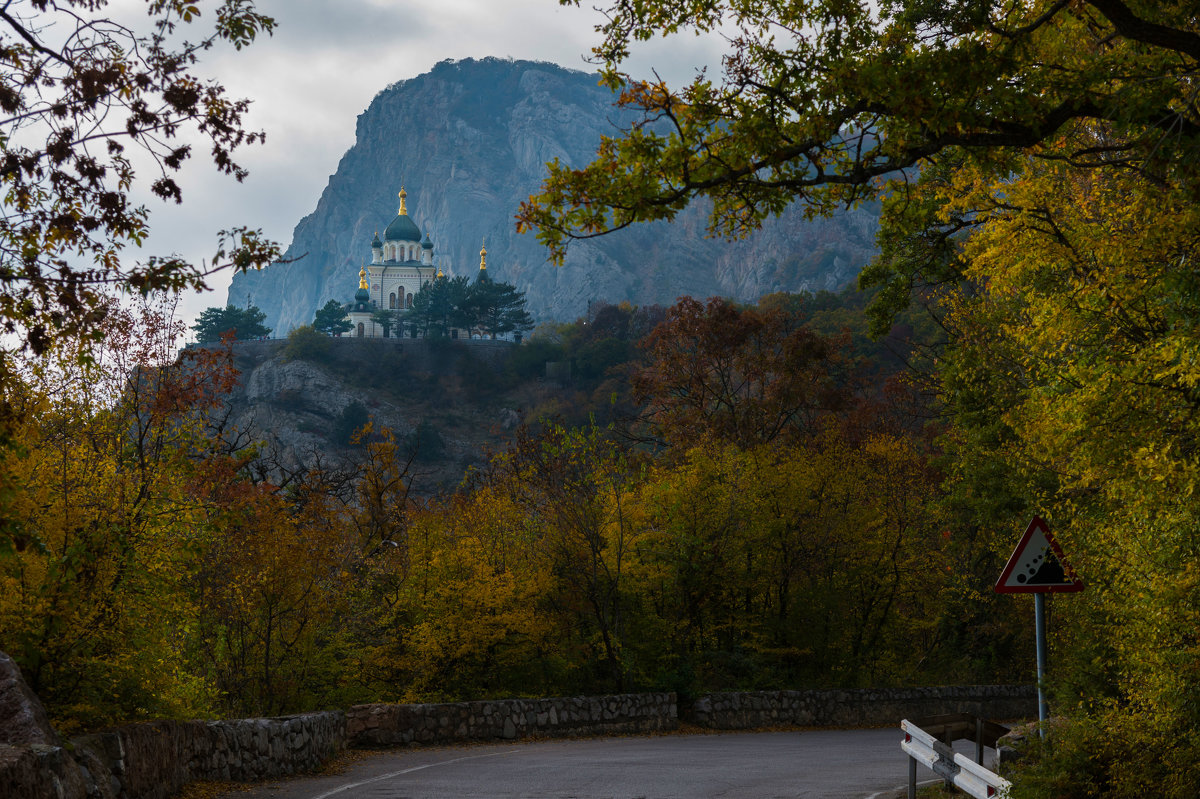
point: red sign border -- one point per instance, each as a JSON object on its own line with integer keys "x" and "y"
{"x": 1038, "y": 523}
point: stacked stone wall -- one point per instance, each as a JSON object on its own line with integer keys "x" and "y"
{"x": 390, "y": 725}
{"x": 870, "y": 707}
{"x": 154, "y": 760}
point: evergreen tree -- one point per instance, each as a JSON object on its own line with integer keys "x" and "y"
{"x": 332, "y": 319}
{"x": 497, "y": 308}
{"x": 213, "y": 323}
{"x": 389, "y": 320}
{"x": 439, "y": 306}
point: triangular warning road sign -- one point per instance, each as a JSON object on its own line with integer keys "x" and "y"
{"x": 1037, "y": 565}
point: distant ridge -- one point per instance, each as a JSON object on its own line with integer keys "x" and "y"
{"x": 469, "y": 140}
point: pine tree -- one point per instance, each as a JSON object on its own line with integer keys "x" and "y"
{"x": 332, "y": 319}
{"x": 497, "y": 308}
{"x": 213, "y": 323}
{"x": 440, "y": 306}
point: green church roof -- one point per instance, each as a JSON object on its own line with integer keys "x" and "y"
{"x": 402, "y": 229}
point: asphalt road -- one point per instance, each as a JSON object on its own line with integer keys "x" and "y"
{"x": 831, "y": 764}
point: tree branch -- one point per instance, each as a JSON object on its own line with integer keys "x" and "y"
{"x": 1133, "y": 27}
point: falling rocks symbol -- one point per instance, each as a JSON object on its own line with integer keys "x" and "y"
{"x": 1038, "y": 565}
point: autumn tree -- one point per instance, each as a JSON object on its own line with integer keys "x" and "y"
{"x": 1069, "y": 377}
{"x": 103, "y": 532}
{"x": 84, "y": 98}
{"x": 306, "y": 343}
{"x": 573, "y": 486}
{"x": 737, "y": 374}
{"x": 270, "y": 594}
{"x": 470, "y": 620}
{"x": 781, "y": 564}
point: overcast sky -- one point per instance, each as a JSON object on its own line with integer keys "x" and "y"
{"x": 320, "y": 70}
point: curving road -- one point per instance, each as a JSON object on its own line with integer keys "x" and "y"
{"x": 831, "y": 764}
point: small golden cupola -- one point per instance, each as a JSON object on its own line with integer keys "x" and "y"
{"x": 362, "y": 297}
{"x": 483, "y": 276}
{"x": 401, "y": 232}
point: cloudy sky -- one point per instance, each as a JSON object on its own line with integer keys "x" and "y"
{"x": 324, "y": 64}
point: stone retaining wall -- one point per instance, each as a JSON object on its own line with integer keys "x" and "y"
{"x": 871, "y": 707}
{"x": 390, "y": 725}
{"x": 153, "y": 760}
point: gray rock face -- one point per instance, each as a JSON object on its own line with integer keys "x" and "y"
{"x": 23, "y": 720}
{"x": 292, "y": 408}
{"x": 469, "y": 141}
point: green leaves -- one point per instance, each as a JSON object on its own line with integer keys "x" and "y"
{"x": 242, "y": 324}
{"x": 492, "y": 308}
{"x": 820, "y": 100}
{"x": 89, "y": 100}
{"x": 332, "y": 319}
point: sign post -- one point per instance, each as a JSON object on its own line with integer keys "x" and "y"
{"x": 1037, "y": 566}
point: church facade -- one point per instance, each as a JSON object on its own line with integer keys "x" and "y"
{"x": 401, "y": 264}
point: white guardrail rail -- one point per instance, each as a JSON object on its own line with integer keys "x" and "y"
{"x": 959, "y": 770}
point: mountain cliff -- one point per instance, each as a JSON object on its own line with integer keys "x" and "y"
{"x": 468, "y": 141}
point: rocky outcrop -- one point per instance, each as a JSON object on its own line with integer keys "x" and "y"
{"x": 469, "y": 141}
{"x": 24, "y": 719}
{"x": 294, "y": 407}
{"x": 33, "y": 762}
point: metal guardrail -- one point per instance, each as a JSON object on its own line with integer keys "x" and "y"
{"x": 923, "y": 746}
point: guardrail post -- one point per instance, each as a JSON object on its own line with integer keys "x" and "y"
{"x": 979, "y": 740}
{"x": 912, "y": 778}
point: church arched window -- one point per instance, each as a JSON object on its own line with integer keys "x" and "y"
{"x": 409, "y": 301}
{"x": 362, "y": 330}
{"x": 392, "y": 300}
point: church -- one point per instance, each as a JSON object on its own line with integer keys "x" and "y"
{"x": 401, "y": 265}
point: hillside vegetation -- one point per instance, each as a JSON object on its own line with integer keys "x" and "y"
{"x": 705, "y": 496}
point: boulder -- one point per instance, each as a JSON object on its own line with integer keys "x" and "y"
{"x": 23, "y": 720}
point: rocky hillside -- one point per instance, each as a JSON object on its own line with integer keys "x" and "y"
{"x": 447, "y": 400}
{"x": 468, "y": 141}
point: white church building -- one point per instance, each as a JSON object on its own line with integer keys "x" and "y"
{"x": 401, "y": 264}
